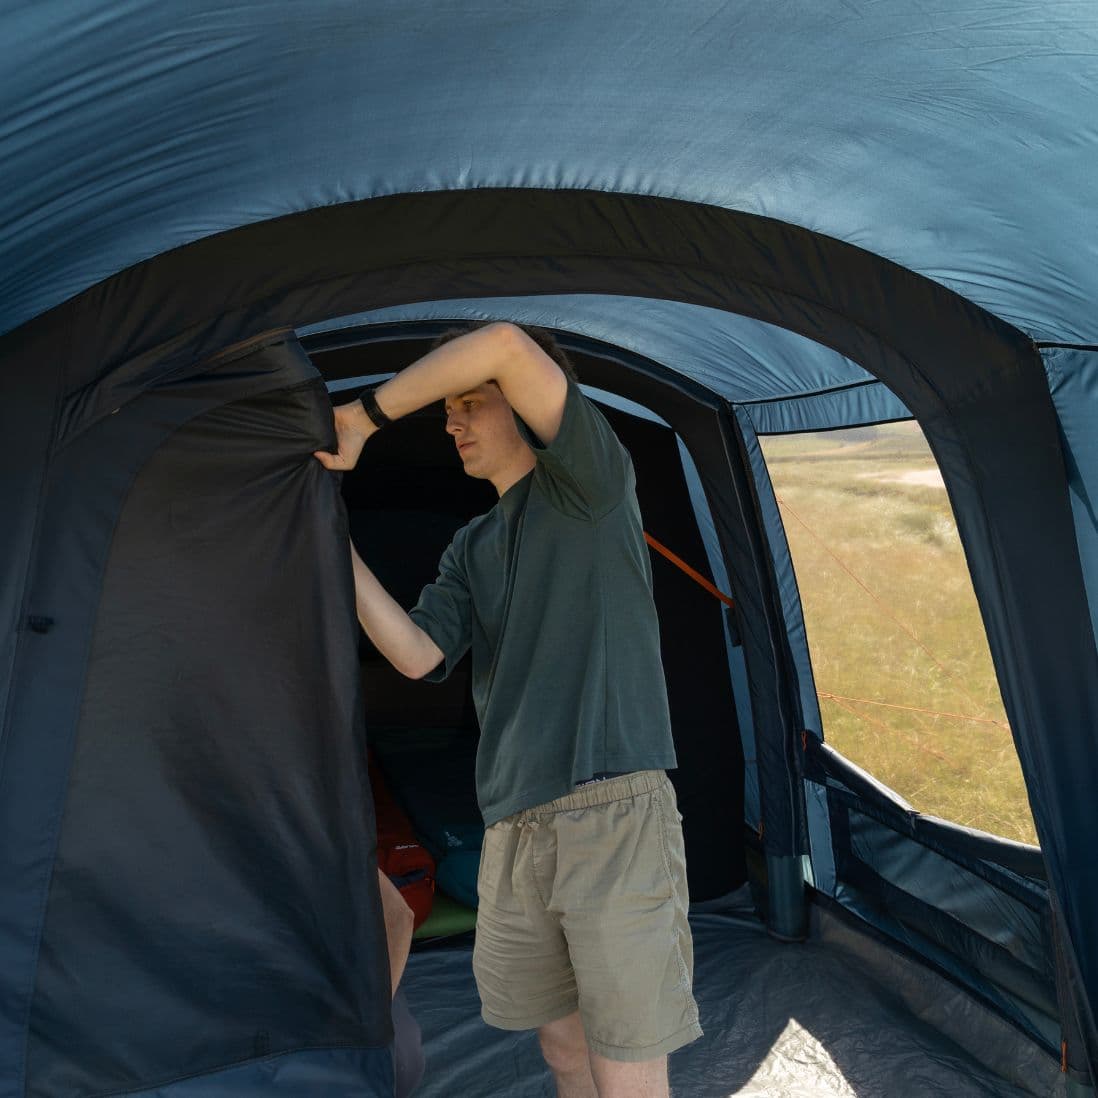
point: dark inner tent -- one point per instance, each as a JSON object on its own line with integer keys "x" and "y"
{"x": 829, "y": 270}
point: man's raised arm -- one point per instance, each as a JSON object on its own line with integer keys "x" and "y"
{"x": 407, "y": 647}
{"x": 530, "y": 380}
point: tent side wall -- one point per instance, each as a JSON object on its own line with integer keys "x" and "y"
{"x": 930, "y": 886}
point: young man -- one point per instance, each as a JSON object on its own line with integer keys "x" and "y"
{"x": 581, "y": 927}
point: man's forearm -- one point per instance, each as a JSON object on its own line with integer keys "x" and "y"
{"x": 456, "y": 367}
{"x": 530, "y": 381}
{"x": 407, "y": 647}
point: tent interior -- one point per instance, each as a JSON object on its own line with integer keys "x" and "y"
{"x": 855, "y": 1006}
{"x": 746, "y": 223}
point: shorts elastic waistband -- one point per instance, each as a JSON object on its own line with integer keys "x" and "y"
{"x": 587, "y": 796}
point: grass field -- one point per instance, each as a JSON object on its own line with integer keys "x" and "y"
{"x": 892, "y": 621}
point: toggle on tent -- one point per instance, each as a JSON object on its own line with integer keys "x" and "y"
{"x": 744, "y": 220}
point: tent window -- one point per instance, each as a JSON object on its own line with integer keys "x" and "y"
{"x": 900, "y": 658}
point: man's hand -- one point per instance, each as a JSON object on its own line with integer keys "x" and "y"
{"x": 353, "y": 427}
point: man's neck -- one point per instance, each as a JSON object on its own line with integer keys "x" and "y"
{"x": 514, "y": 473}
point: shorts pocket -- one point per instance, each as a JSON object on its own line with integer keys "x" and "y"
{"x": 491, "y": 859}
{"x": 672, "y": 848}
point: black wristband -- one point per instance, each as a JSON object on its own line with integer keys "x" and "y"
{"x": 369, "y": 402}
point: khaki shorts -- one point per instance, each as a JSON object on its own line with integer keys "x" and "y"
{"x": 583, "y": 907}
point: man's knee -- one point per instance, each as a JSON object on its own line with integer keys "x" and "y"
{"x": 563, "y": 1045}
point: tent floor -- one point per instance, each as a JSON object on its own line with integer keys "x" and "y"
{"x": 811, "y": 1020}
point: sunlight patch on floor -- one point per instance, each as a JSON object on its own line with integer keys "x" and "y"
{"x": 798, "y": 1066}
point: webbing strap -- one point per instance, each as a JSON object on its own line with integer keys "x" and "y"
{"x": 679, "y": 563}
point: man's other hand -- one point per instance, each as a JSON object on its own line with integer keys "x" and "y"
{"x": 353, "y": 427}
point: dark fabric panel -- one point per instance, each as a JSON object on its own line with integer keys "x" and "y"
{"x": 86, "y": 485}
{"x": 213, "y": 897}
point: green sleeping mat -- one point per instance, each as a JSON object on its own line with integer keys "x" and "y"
{"x": 447, "y": 917}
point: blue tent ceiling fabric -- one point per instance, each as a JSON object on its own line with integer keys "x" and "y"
{"x": 141, "y": 129}
{"x": 816, "y": 213}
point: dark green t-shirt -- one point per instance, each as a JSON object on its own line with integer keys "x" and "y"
{"x": 552, "y": 588}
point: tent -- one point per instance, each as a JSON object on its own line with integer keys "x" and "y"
{"x": 746, "y": 220}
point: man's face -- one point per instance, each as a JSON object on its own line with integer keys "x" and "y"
{"x": 483, "y": 428}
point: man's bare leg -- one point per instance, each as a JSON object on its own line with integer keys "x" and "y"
{"x": 565, "y": 1050}
{"x": 647, "y": 1079}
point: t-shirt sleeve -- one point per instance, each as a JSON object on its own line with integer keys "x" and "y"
{"x": 443, "y": 611}
{"x": 585, "y": 470}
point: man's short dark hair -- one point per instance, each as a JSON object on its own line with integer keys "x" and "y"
{"x": 541, "y": 336}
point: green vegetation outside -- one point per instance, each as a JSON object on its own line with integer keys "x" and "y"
{"x": 892, "y": 621}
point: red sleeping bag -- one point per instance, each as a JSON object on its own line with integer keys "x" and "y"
{"x": 400, "y": 855}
